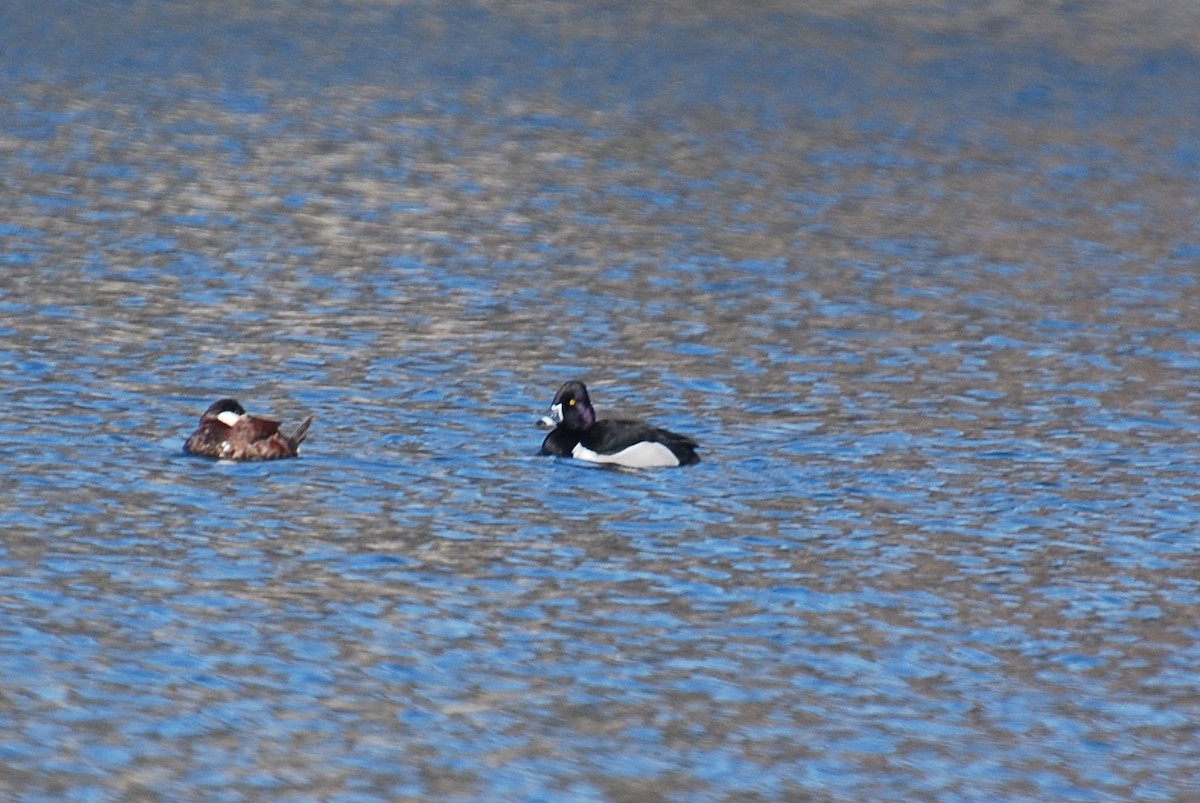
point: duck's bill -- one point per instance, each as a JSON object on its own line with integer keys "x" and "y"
{"x": 552, "y": 420}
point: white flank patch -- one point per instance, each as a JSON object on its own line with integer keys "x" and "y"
{"x": 645, "y": 454}
{"x": 228, "y": 418}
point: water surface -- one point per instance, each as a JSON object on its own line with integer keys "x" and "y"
{"x": 922, "y": 283}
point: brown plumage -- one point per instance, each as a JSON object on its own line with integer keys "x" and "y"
{"x": 228, "y": 432}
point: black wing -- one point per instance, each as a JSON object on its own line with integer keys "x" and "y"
{"x": 612, "y": 435}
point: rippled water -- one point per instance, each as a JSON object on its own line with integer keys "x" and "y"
{"x": 922, "y": 283}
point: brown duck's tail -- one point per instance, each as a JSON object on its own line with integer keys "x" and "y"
{"x": 301, "y": 432}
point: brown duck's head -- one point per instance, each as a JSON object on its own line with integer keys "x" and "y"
{"x": 227, "y": 411}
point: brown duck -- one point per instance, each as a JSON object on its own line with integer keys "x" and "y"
{"x": 228, "y": 432}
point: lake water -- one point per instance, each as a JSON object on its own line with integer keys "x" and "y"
{"x": 922, "y": 281}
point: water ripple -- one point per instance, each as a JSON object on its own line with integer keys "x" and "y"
{"x": 926, "y": 302}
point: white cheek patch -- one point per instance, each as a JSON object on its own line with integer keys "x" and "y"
{"x": 646, "y": 454}
{"x": 228, "y": 418}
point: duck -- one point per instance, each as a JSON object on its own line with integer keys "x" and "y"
{"x": 633, "y": 444}
{"x": 228, "y": 432}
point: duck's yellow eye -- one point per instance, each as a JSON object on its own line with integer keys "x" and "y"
{"x": 571, "y": 403}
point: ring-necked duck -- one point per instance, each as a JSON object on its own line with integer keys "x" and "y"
{"x": 634, "y": 444}
{"x": 228, "y": 432}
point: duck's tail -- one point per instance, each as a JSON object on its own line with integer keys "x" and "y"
{"x": 300, "y": 433}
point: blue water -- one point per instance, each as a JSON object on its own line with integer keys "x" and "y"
{"x": 922, "y": 285}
